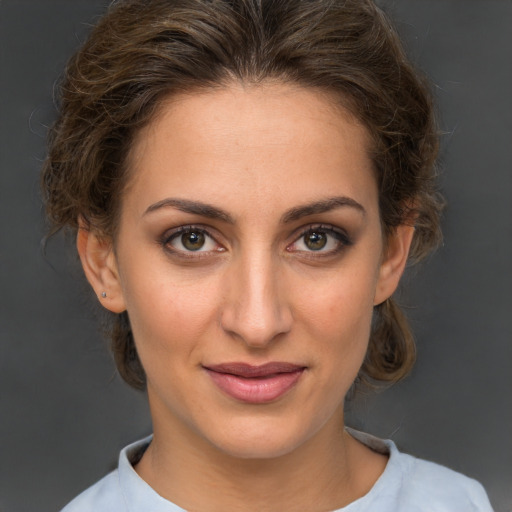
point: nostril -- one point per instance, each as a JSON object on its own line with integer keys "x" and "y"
{"x": 256, "y": 328}
{"x": 254, "y": 310}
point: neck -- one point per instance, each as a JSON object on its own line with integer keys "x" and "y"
{"x": 326, "y": 472}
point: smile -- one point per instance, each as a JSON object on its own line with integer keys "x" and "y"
{"x": 255, "y": 384}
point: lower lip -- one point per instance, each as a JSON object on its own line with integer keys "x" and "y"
{"x": 256, "y": 390}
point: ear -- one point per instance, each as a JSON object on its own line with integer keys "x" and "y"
{"x": 393, "y": 262}
{"x": 100, "y": 267}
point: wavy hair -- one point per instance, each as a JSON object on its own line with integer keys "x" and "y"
{"x": 143, "y": 51}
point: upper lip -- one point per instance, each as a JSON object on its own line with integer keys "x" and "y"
{"x": 248, "y": 370}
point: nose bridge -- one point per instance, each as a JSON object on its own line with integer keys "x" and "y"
{"x": 256, "y": 311}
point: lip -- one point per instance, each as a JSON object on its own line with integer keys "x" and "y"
{"x": 255, "y": 384}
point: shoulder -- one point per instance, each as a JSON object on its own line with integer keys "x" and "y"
{"x": 441, "y": 488}
{"x": 103, "y": 496}
{"x": 409, "y": 484}
{"x": 113, "y": 492}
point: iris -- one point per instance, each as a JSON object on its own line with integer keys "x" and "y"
{"x": 315, "y": 240}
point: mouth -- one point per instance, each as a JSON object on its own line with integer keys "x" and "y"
{"x": 255, "y": 384}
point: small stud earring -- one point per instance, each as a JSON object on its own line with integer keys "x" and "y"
{"x": 104, "y": 295}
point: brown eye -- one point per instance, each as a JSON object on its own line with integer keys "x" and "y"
{"x": 190, "y": 240}
{"x": 324, "y": 240}
{"x": 193, "y": 240}
{"x": 315, "y": 241}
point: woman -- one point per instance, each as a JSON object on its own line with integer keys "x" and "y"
{"x": 248, "y": 180}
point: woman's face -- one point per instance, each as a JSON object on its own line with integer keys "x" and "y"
{"x": 249, "y": 257}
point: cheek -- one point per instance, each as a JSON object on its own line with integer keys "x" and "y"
{"x": 169, "y": 314}
{"x": 336, "y": 321}
{"x": 341, "y": 306}
{"x": 337, "y": 318}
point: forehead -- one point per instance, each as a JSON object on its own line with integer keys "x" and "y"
{"x": 264, "y": 143}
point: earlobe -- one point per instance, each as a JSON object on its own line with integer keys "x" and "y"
{"x": 393, "y": 263}
{"x": 100, "y": 268}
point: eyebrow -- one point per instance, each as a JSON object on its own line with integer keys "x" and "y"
{"x": 194, "y": 207}
{"x": 296, "y": 213}
{"x": 321, "y": 206}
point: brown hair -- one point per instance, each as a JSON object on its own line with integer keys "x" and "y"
{"x": 144, "y": 50}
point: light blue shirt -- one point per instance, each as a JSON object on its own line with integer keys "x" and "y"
{"x": 407, "y": 484}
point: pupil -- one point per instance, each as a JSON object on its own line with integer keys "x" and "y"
{"x": 192, "y": 241}
{"x": 316, "y": 241}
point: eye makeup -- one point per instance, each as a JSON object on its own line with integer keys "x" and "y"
{"x": 190, "y": 242}
{"x": 196, "y": 242}
{"x": 320, "y": 240}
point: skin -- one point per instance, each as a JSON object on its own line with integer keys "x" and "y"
{"x": 255, "y": 292}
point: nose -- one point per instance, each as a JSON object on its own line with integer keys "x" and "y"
{"x": 256, "y": 310}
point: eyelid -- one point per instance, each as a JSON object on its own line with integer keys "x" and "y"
{"x": 171, "y": 234}
{"x": 340, "y": 234}
{"x": 343, "y": 238}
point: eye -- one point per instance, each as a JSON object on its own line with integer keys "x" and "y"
{"x": 189, "y": 239}
{"x": 316, "y": 240}
{"x": 320, "y": 239}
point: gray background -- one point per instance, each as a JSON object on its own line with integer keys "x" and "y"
{"x": 64, "y": 413}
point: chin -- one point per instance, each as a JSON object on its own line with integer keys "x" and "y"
{"x": 257, "y": 447}
{"x": 261, "y": 438}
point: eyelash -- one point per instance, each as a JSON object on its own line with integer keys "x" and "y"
{"x": 168, "y": 238}
{"x": 342, "y": 241}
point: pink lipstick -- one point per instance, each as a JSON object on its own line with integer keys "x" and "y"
{"x": 255, "y": 384}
